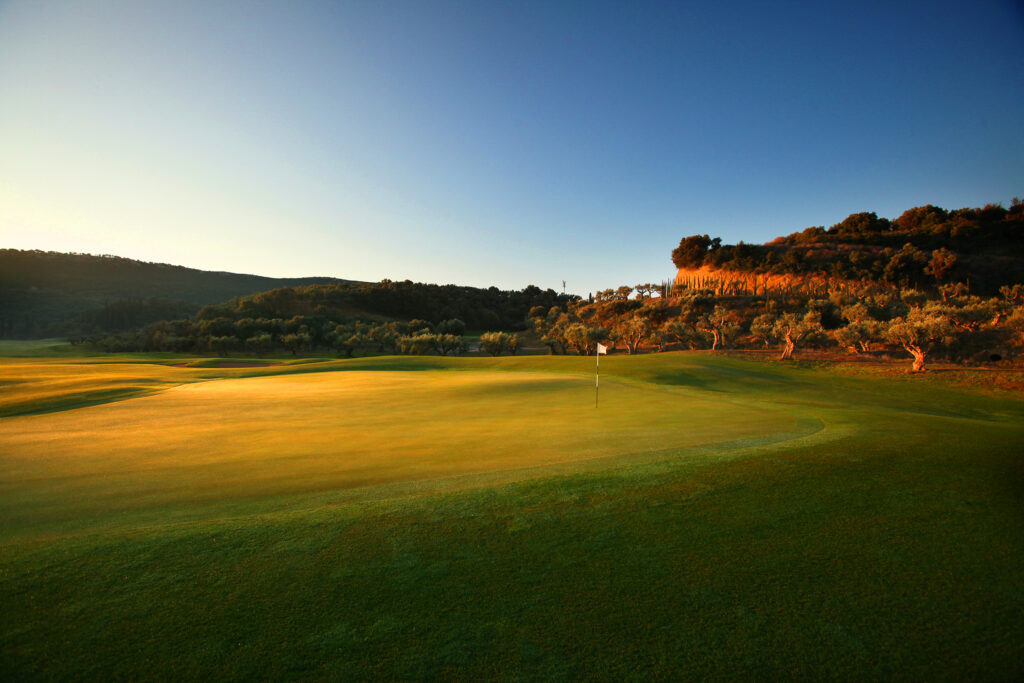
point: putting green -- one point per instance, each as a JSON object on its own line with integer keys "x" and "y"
{"x": 259, "y": 437}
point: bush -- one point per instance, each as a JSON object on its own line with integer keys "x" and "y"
{"x": 450, "y": 343}
{"x": 223, "y": 344}
{"x": 496, "y": 342}
{"x": 417, "y": 345}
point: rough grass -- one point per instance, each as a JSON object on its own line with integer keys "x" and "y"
{"x": 468, "y": 518}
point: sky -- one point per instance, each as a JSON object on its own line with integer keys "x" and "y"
{"x": 485, "y": 143}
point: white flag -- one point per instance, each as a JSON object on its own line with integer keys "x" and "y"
{"x": 601, "y": 348}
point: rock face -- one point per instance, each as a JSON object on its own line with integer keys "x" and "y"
{"x": 740, "y": 283}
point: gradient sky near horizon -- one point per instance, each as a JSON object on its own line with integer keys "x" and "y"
{"x": 491, "y": 143}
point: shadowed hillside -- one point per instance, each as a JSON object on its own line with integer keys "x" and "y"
{"x": 411, "y": 317}
{"x": 44, "y": 293}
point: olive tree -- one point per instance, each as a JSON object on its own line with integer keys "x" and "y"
{"x": 493, "y": 342}
{"x": 921, "y": 331}
{"x": 720, "y": 325}
{"x": 793, "y": 329}
{"x": 861, "y": 329}
{"x": 417, "y": 344}
{"x": 633, "y": 330}
{"x": 296, "y": 342}
{"x": 449, "y": 343}
{"x": 762, "y": 329}
{"x": 584, "y": 339}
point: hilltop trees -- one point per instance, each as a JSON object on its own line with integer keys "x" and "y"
{"x": 905, "y": 266}
{"x": 858, "y": 224}
{"x": 691, "y": 250}
{"x": 925, "y": 247}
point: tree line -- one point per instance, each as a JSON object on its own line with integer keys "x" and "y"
{"x": 951, "y": 324}
{"x": 955, "y": 325}
{"x": 917, "y": 298}
{"x": 348, "y": 318}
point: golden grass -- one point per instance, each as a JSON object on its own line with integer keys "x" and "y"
{"x": 43, "y": 385}
{"x": 256, "y": 437}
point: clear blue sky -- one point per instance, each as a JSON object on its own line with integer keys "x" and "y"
{"x": 505, "y": 143}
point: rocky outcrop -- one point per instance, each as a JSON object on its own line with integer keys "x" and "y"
{"x": 740, "y": 283}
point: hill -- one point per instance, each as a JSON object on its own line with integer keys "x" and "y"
{"x": 926, "y": 247}
{"x": 51, "y": 293}
{"x": 479, "y": 308}
{"x": 342, "y": 317}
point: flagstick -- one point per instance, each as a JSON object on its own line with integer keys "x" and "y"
{"x": 597, "y": 376}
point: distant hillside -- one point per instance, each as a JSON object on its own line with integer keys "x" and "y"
{"x": 50, "y": 293}
{"x": 383, "y": 317}
{"x": 927, "y": 247}
{"x": 484, "y": 309}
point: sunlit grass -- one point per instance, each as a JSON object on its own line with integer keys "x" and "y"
{"x": 266, "y": 436}
{"x": 468, "y": 518}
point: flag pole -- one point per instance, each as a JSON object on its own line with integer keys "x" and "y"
{"x": 597, "y": 376}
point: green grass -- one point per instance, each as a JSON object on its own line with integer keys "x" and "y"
{"x": 478, "y": 518}
{"x": 37, "y": 347}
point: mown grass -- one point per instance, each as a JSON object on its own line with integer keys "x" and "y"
{"x": 464, "y": 518}
{"x": 32, "y": 348}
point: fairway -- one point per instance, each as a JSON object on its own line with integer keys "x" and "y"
{"x": 466, "y": 518}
